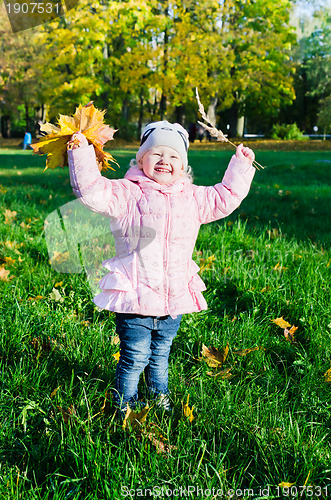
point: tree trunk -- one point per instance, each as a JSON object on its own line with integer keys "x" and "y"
{"x": 212, "y": 110}
{"x": 39, "y": 117}
{"x": 180, "y": 114}
{"x": 141, "y": 116}
{"x": 27, "y": 118}
{"x": 126, "y": 109}
{"x": 240, "y": 126}
{"x": 163, "y": 102}
{"x": 5, "y": 126}
{"x": 236, "y": 122}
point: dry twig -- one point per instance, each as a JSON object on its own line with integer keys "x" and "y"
{"x": 214, "y": 132}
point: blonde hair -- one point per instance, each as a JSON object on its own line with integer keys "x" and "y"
{"x": 188, "y": 172}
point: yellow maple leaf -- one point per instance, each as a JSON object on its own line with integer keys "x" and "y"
{"x": 9, "y": 261}
{"x": 327, "y": 376}
{"x": 188, "y": 412}
{"x": 213, "y": 357}
{"x": 281, "y": 322}
{"x": 284, "y": 484}
{"x": 9, "y": 216}
{"x": 133, "y": 419}
{"x": 206, "y": 264}
{"x": 116, "y": 356}
{"x": 89, "y": 121}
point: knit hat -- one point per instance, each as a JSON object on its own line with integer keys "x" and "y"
{"x": 164, "y": 133}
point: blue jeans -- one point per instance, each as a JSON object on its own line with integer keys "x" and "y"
{"x": 145, "y": 345}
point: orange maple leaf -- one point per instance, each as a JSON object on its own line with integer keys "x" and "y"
{"x": 4, "y": 273}
{"x": 289, "y": 334}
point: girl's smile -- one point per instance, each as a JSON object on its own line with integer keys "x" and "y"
{"x": 162, "y": 164}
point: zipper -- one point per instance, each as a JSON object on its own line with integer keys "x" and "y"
{"x": 166, "y": 256}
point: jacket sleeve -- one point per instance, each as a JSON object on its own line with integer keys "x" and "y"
{"x": 216, "y": 202}
{"x": 102, "y": 195}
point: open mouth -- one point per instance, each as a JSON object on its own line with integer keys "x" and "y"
{"x": 163, "y": 170}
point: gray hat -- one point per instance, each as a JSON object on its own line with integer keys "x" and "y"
{"x": 164, "y": 133}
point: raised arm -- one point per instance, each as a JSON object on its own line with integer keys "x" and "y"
{"x": 102, "y": 195}
{"x": 216, "y": 202}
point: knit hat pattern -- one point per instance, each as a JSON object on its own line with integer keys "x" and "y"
{"x": 164, "y": 133}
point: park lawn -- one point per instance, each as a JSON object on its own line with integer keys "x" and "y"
{"x": 264, "y": 421}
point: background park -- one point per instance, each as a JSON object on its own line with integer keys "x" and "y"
{"x": 250, "y": 377}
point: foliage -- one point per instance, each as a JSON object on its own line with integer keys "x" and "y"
{"x": 287, "y": 132}
{"x": 324, "y": 115}
{"x": 312, "y": 82}
{"x": 143, "y": 60}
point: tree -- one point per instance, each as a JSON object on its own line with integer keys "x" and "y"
{"x": 259, "y": 37}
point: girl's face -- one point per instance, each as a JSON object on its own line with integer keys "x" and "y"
{"x": 162, "y": 164}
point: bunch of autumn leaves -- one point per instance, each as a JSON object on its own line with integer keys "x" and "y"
{"x": 89, "y": 121}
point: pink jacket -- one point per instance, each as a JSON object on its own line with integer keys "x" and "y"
{"x": 153, "y": 273}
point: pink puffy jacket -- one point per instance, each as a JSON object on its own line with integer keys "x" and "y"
{"x": 153, "y": 273}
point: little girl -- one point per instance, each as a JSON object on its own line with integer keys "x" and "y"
{"x": 155, "y": 215}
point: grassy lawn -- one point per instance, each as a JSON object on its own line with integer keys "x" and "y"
{"x": 264, "y": 420}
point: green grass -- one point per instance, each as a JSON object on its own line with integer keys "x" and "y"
{"x": 269, "y": 423}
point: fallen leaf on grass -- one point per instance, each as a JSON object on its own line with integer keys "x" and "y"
{"x": 224, "y": 374}
{"x": 279, "y": 267}
{"x": 206, "y": 264}
{"x": 281, "y": 322}
{"x": 188, "y": 412}
{"x": 116, "y": 356}
{"x": 56, "y": 296}
{"x": 9, "y": 216}
{"x": 25, "y": 226}
{"x": 289, "y": 330}
{"x": 155, "y": 436}
{"x": 213, "y": 357}
{"x": 53, "y": 393}
{"x": 9, "y": 261}
{"x": 37, "y": 297}
{"x": 42, "y": 344}
{"x": 286, "y": 485}
{"x": 13, "y": 245}
{"x": 105, "y": 408}
{"x": 67, "y": 413}
{"x": 4, "y": 274}
{"x": 115, "y": 340}
{"x": 327, "y": 376}
{"x": 59, "y": 257}
{"x": 289, "y": 334}
{"x": 244, "y": 352}
{"x": 134, "y": 420}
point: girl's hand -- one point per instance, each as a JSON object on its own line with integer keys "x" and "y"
{"x": 77, "y": 140}
{"x": 244, "y": 152}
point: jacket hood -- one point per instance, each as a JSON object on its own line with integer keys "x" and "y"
{"x": 135, "y": 174}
